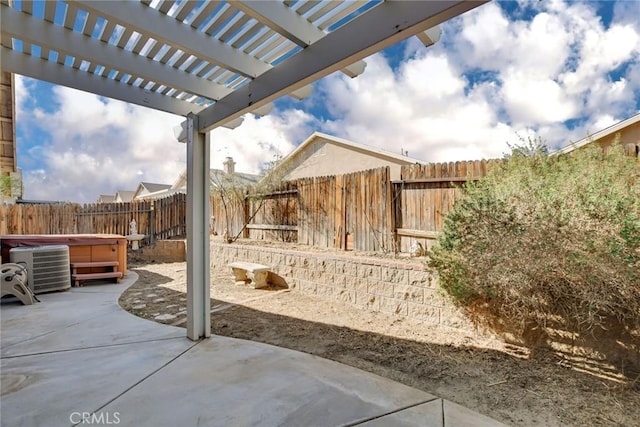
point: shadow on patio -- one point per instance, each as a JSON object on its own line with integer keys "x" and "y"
{"x": 77, "y": 356}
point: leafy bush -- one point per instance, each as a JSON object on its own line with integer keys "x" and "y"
{"x": 548, "y": 237}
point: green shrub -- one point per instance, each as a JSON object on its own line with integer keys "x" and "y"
{"x": 546, "y": 237}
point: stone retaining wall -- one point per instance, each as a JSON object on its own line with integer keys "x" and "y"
{"x": 398, "y": 287}
{"x": 162, "y": 251}
{"x": 404, "y": 288}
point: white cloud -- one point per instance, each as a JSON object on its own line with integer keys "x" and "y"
{"x": 483, "y": 33}
{"x": 418, "y": 75}
{"x": 96, "y": 146}
{"x": 260, "y": 140}
{"x": 536, "y": 74}
{"x": 21, "y": 92}
{"x": 536, "y": 101}
{"x": 423, "y": 109}
{"x": 549, "y": 69}
{"x": 600, "y": 53}
{"x": 627, "y": 12}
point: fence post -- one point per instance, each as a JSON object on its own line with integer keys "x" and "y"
{"x": 152, "y": 222}
{"x": 390, "y": 206}
{"x": 246, "y": 213}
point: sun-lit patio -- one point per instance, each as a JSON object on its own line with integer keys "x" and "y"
{"x": 77, "y": 355}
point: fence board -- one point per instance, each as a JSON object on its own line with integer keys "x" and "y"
{"x": 427, "y": 193}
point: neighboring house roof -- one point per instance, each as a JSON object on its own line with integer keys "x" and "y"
{"x": 146, "y": 188}
{"x": 219, "y": 177}
{"x": 216, "y": 177}
{"x": 124, "y": 196}
{"x": 181, "y": 182}
{"x": 153, "y": 187}
{"x": 606, "y": 132}
{"x": 106, "y": 198}
{"x": 289, "y": 163}
{"x": 163, "y": 193}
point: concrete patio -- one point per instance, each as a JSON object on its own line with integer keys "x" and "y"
{"x": 78, "y": 358}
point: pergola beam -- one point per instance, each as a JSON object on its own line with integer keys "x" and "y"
{"x": 165, "y": 29}
{"x": 52, "y": 72}
{"x": 281, "y": 19}
{"x": 286, "y": 22}
{"x": 382, "y": 26}
{"x": 27, "y": 28}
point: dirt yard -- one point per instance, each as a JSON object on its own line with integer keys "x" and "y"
{"x": 508, "y": 383}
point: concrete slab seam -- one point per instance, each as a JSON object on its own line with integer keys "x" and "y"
{"x": 26, "y": 340}
{"x": 70, "y": 325}
{"x": 375, "y": 417}
{"x": 146, "y": 377}
{"x": 88, "y": 348}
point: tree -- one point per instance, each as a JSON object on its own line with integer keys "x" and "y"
{"x": 241, "y": 200}
{"x": 9, "y": 186}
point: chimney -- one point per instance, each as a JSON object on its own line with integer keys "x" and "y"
{"x": 229, "y": 165}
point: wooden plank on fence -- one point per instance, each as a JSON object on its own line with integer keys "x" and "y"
{"x": 417, "y": 233}
{"x": 427, "y": 193}
{"x": 272, "y": 227}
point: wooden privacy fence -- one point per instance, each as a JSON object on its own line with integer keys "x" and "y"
{"x": 265, "y": 216}
{"x": 368, "y": 220}
{"x": 352, "y": 211}
{"x": 158, "y": 219}
{"x": 114, "y": 218}
{"x": 274, "y": 216}
{"x": 363, "y": 210}
{"x": 57, "y": 218}
{"x": 425, "y": 194}
{"x": 170, "y": 217}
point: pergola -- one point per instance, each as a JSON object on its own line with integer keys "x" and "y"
{"x": 210, "y": 61}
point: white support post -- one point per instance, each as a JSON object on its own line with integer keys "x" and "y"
{"x": 198, "y": 270}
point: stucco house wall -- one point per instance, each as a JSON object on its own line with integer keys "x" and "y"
{"x": 629, "y": 135}
{"x": 322, "y": 155}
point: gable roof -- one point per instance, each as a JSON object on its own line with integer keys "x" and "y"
{"x": 308, "y": 144}
{"x": 611, "y": 130}
{"x": 218, "y": 176}
{"x": 350, "y": 144}
{"x": 106, "y": 198}
{"x": 153, "y": 187}
{"x": 124, "y": 195}
{"x": 148, "y": 189}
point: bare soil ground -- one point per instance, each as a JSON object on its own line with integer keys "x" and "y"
{"x": 509, "y": 383}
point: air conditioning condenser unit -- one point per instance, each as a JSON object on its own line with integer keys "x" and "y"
{"x": 47, "y": 267}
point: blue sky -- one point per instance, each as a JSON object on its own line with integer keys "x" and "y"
{"x": 504, "y": 71}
